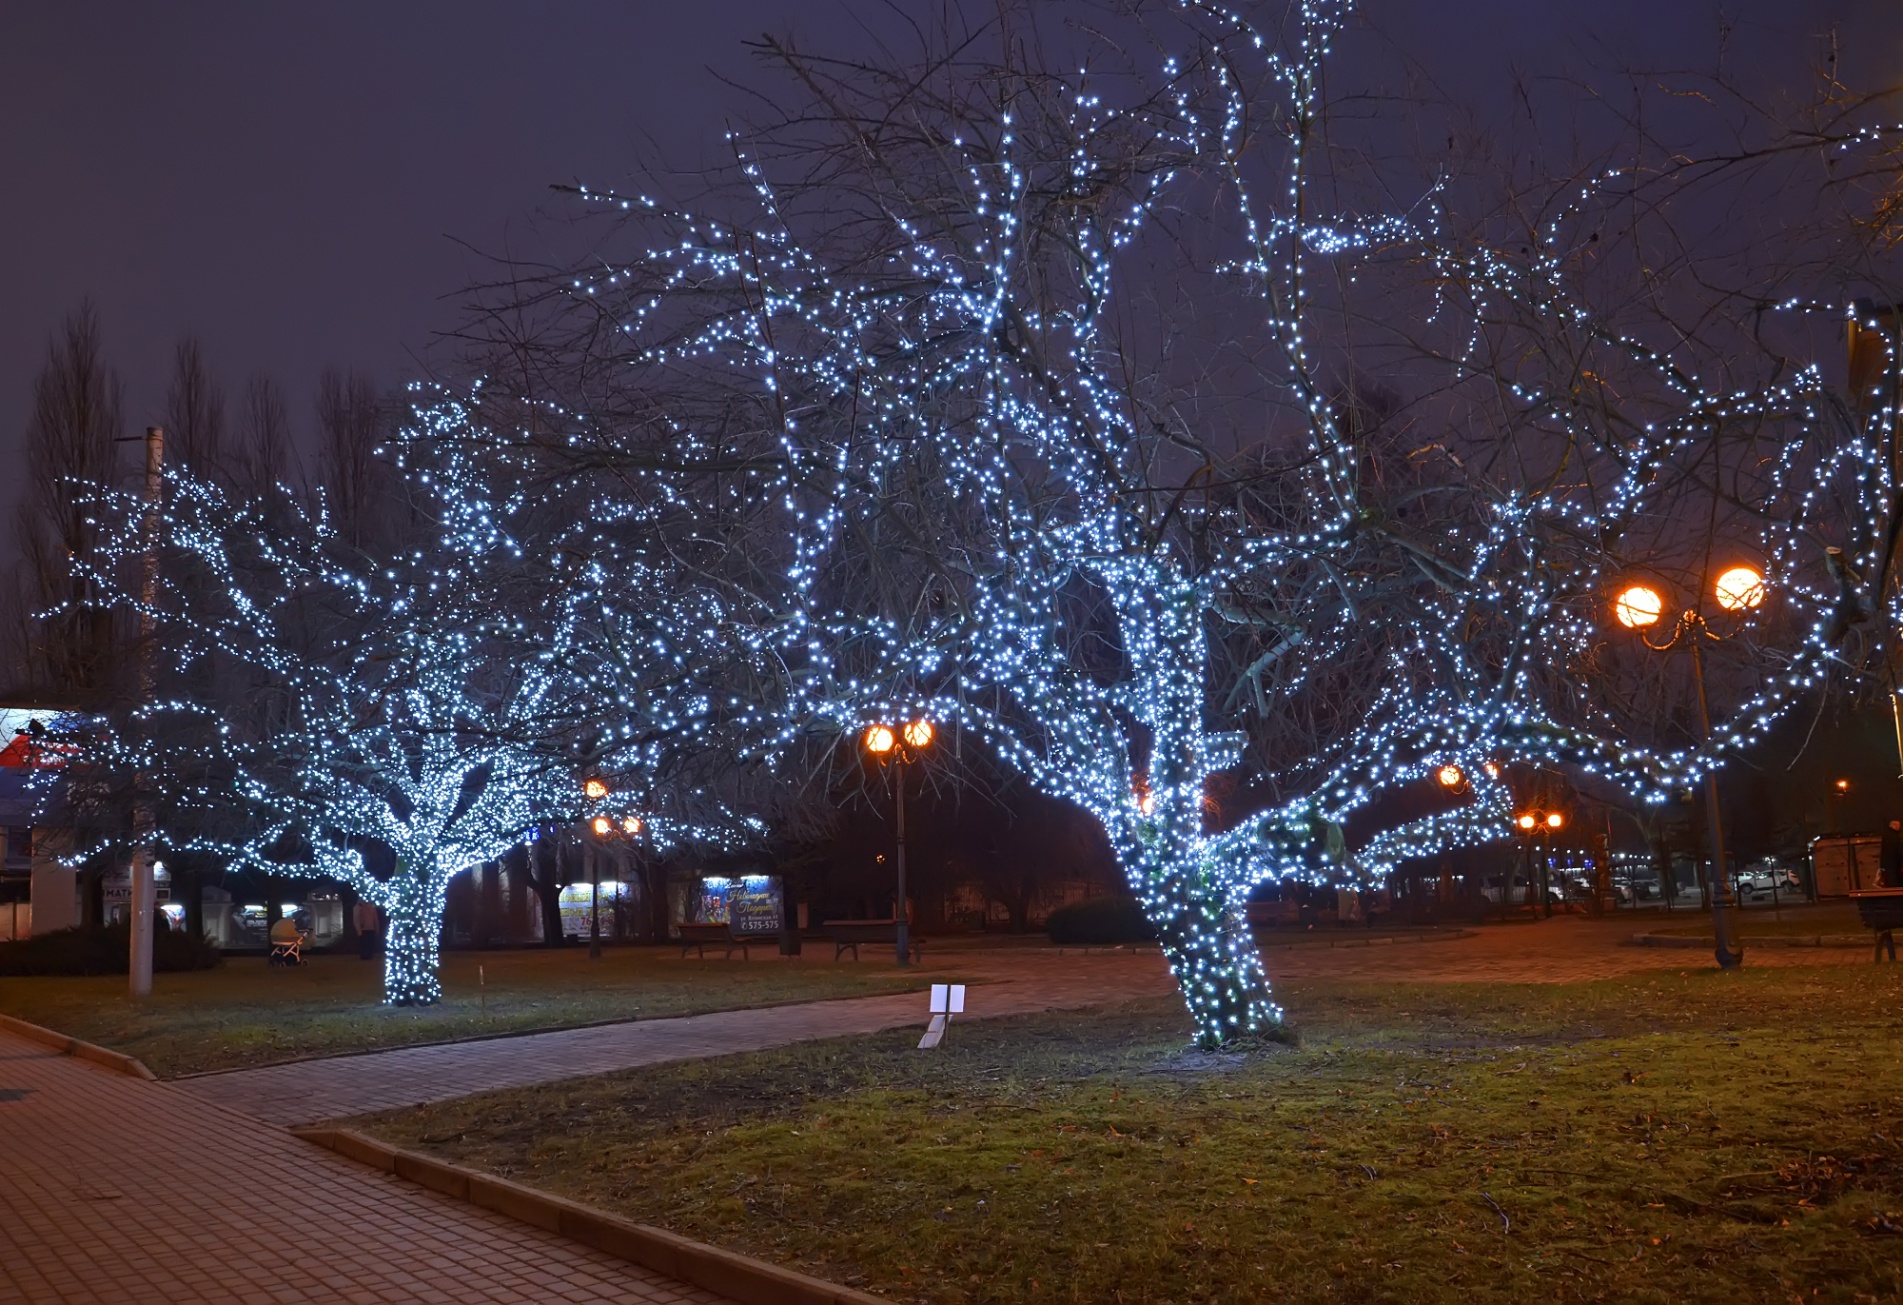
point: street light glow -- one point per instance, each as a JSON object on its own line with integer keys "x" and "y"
{"x": 879, "y": 740}
{"x": 602, "y": 826}
{"x": 918, "y": 733}
{"x": 1638, "y": 606}
{"x": 1739, "y": 589}
{"x": 1449, "y": 776}
{"x": 631, "y": 825}
{"x": 594, "y": 789}
{"x": 1554, "y": 820}
{"x": 1526, "y": 820}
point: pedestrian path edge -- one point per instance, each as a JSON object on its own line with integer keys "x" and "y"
{"x": 745, "y": 1279}
{"x": 113, "y": 1060}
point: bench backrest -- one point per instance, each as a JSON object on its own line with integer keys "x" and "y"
{"x": 860, "y": 930}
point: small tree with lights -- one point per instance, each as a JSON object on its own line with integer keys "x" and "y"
{"x": 386, "y": 721}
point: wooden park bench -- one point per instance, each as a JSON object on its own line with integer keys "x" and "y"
{"x": 702, "y": 936}
{"x": 846, "y": 934}
{"x": 1881, "y": 910}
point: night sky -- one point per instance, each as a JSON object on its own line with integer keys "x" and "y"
{"x": 289, "y": 182}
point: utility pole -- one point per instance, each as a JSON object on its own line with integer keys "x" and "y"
{"x": 144, "y": 814}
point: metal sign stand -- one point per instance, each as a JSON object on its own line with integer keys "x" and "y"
{"x": 948, "y": 999}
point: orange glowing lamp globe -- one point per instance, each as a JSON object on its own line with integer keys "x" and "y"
{"x": 1638, "y": 606}
{"x": 1449, "y": 776}
{"x": 918, "y": 734}
{"x": 880, "y": 740}
{"x": 631, "y": 825}
{"x": 1554, "y": 820}
{"x": 1526, "y": 820}
{"x": 1739, "y": 589}
{"x": 601, "y": 826}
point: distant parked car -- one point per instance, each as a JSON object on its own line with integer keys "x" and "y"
{"x": 1766, "y": 878}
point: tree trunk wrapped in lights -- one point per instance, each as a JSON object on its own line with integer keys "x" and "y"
{"x": 414, "y": 898}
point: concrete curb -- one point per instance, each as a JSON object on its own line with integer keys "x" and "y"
{"x": 113, "y": 1060}
{"x": 1844, "y": 940}
{"x": 745, "y": 1279}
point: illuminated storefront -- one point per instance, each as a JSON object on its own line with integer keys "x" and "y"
{"x": 577, "y": 902}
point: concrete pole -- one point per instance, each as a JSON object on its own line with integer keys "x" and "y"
{"x": 144, "y": 815}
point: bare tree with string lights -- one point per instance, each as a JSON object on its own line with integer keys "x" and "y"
{"x": 1068, "y": 386}
{"x": 385, "y": 719}
{"x": 1027, "y": 363}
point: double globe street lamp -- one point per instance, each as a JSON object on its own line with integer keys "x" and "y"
{"x": 899, "y": 745}
{"x": 595, "y": 789}
{"x": 1640, "y": 607}
{"x": 1541, "y": 825}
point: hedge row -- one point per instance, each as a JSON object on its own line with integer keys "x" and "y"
{"x": 1100, "y": 922}
{"x": 102, "y": 951}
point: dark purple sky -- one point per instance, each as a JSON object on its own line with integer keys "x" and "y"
{"x": 284, "y": 180}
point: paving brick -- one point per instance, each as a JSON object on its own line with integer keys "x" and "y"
{"x": 137, "y": 1191}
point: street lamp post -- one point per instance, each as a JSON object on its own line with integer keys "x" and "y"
{"x": 594, "y": 788}
{"x": 1553, "y": 822}
{"x": 1541, "y": 825}
{"x": 601, "y": 828}
{"x": 1528, "y": 823}
{"x": 901, "y": 745}
{"x": 1638, "y": 608}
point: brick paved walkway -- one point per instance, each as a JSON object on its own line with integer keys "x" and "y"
{"x": 1013, "y": 982}
{"x": 117, "y": 1190}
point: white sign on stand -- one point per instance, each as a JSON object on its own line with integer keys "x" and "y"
{"x": 948, "y": 999}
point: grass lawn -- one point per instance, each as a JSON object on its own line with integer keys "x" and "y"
{"x": 1666, "y": 1137}
{"x": 245, "y": 1013}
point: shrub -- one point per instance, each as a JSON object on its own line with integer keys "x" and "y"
{"x": 102, "y": 951}
{"x": 1099, "y": 922}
